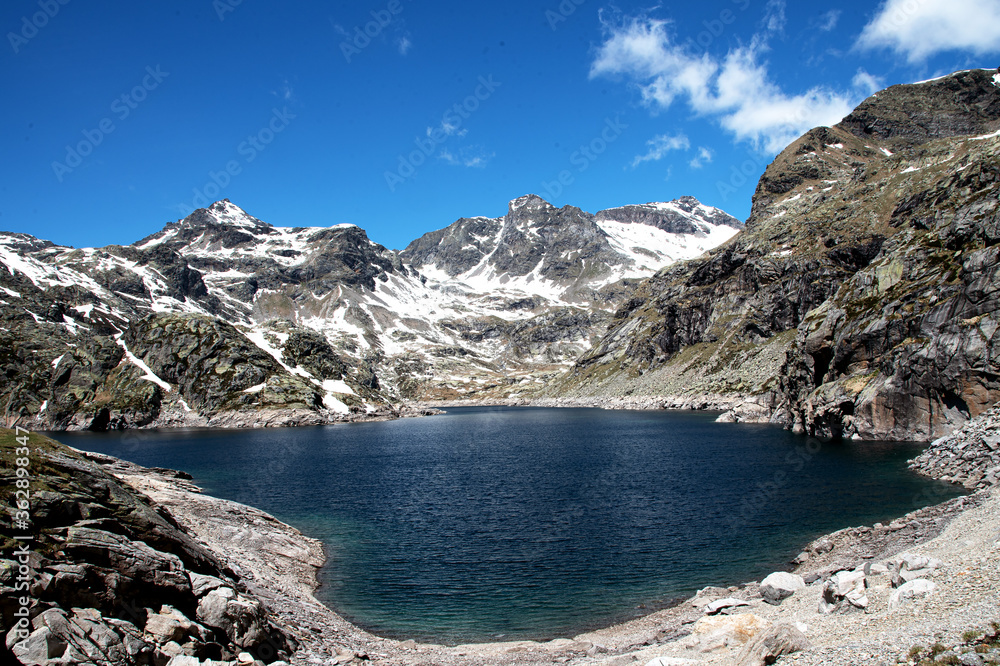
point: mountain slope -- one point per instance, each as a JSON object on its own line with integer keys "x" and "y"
{"x": 859, "y": 299}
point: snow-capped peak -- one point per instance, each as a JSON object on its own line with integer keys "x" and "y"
{"x": 227, "y": 213}
{"x": 528, "y": 201}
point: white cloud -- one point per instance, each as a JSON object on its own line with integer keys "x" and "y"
{"x": 404, "y": 45}
{"x": 447, "y": 129}
{"x": 284, "y": 92}
{"x": 737, "y": 90}
{"x": 660, "y": 145}
{"x": 829, "y": 20}
{"x": 704, "y": 157}
{"x": 774, "y": 16}
{"x": 866, "y": 83}
{"x": 919, "y": 29}
{"x": 474, "y": 158}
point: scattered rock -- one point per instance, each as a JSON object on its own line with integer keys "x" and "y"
{"x": 911, "y": 567}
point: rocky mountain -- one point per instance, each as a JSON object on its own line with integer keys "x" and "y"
{"x": 222, "y": 319}
{"x": 566, "y": 253}
{"x": 860, "y": 300}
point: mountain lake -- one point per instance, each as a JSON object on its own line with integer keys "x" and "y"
{"x": 490, "y": 524}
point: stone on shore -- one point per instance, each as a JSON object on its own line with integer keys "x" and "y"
{"x": 715, "y": 632}
{"x": 915, "y": 589}
{"x": 911, "y": 567}
{"x": 843, "y": 590}
{"x": 775, "y": 641}
{"x": 779, "y": 586}
{"x": 724, "y": 605}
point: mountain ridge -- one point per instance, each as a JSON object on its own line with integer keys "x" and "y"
{"x": 122, "y": 321}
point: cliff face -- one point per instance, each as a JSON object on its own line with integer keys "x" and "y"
{"x": 860, "y": 300}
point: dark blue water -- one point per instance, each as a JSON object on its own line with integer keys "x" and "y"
{"x": 538, "y": 523}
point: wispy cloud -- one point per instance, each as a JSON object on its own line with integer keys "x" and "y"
{"x": 919, "y": 29}
{"x": 660, "y": 145}
{"x": 473, "y": 158}
{"x": 447, "y": 129}
{"x": 867, "y": 83}
{"x": 404, "y": 45}
{"x": 284, "y": 91}
{"x": 774, "y": 16}
{"x": 828, "y": 21}
{"x": 704, "y": 157}
{"x": 736, "y": 90}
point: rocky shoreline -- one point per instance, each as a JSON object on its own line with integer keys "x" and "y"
{"x": 849, "y": 603}
{"x": 699, "y": 402}
{"x": 174, "y": 416}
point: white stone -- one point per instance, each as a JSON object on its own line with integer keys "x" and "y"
{"x": 915, "y": 589}
{"x": 780, "y": 585}
{"x": 721, "y": 604}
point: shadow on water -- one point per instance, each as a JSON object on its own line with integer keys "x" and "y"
{"x": 531, "y": 523}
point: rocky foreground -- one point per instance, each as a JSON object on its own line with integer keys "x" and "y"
{"x": 137, "y": 566}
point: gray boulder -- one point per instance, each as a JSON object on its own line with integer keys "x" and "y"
{"x": 911, "y": 567}
{"x": 914, "y": 589}
{"x": 242, "y": 620}
{"x": 844, "y": 590}
{"x": 81, "y": 638}
{"x": 779, "y": 586}
{"x": 775, "y": 641}
{"x": 134, "y": 560}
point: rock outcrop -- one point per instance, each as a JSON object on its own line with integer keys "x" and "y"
{"x": 113, "y": 578}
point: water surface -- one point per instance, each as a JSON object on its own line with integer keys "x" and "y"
{"x": 531, "y": 523}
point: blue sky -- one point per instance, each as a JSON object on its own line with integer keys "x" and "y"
{"x": 120, "y": 117}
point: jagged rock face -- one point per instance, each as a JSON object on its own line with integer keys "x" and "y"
{"x": 565, "y": 245}
{"x": 963, "y": 104}
{"x": 859, "y": 300}
{"x": 214, "y": 364}
{"x": 111, "y": 575}
{"x": 906, "y": 347}
{"x": 457, "y": 248}
{"x": 224, "y": 238}
{"x": 678, "y": 217}
{"x": 313, "y": 352}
